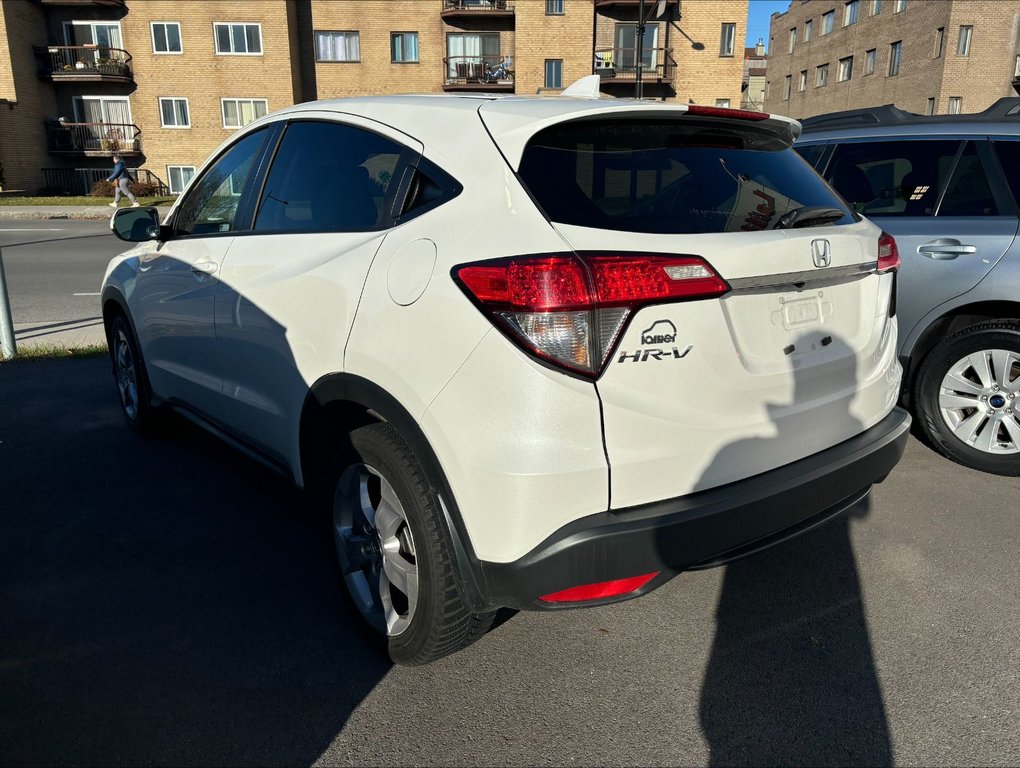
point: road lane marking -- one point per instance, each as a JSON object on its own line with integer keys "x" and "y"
{"x": 84, "y": 294}
{"x": 41, "y": 229}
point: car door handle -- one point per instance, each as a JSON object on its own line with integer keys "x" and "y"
{"x": 204, "y": 268}
{"x": 945, "y": 248}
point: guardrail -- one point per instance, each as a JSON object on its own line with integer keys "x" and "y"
{"x": 76, "y": 62}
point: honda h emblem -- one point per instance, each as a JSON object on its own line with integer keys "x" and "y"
{"x": 820, "y": 253}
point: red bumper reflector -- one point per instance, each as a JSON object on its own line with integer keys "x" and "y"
{"x": 600, "y": 590}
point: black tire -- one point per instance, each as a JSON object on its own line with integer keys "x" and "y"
{"x": 129, "y": 376}
{"x": 991, "y": 335}
{"x": 440, "y": 622}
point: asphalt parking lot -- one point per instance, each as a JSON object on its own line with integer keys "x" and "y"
{"x": 166, "y": 601}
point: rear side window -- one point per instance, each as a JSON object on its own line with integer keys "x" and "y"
{"x": 676, "y": 176}
{"x": 328, "y": 177}
{"x": 812, "y": 154}
{"x": 892, "y": 178}
{"x": 969, "y": 193}
{"x": 1009, "y": 159}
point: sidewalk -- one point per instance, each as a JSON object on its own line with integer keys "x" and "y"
{"x": 103, "y": 211}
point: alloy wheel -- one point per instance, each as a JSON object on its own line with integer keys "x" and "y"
{"x": 376, "y": 549}
{"x": 979, "y": 397}
{"x": 127, "y": 375}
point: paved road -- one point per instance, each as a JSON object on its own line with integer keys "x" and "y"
{"x": 164, "y": 601}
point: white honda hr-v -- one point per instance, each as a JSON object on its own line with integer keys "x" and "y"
{"x": 539, "y": 352}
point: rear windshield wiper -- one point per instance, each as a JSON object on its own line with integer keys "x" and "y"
{"x": 809, "y": 216}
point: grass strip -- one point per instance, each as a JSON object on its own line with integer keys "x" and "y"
{"x": 83, "y": 200}
{"x": 55, "y": 352}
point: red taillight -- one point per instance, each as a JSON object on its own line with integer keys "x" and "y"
{"x": 600, "y": 590}
{"x": 570, "y": 309}
{"x": 736, "y": 114}
{"x": 888, "y": 254}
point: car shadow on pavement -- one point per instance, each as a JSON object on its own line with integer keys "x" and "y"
{"x": 791, "y": 678}
{"x": 162, "y": 600}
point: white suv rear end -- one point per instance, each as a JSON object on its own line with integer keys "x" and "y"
{"x": 581, "y": 347}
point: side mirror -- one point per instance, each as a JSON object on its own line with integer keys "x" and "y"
{"x": 136, "y": 225}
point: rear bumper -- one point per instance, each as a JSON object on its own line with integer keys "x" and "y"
{"x": 703, "y": 529}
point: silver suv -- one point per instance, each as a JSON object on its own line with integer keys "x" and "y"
{"x": 947, "y": 187}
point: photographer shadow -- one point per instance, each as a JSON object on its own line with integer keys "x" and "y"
{"x": 791, "y": 679}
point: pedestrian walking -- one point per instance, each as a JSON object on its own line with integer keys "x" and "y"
{"x": 120, "y": 178}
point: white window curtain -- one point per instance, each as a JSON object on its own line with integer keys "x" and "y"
{"x": 337, "y": 46}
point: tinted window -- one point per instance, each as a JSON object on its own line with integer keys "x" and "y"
{"x": 1009, "y": 159}
{"x": 892, "y": 178}
{"x": 968, "y": 193}
{"x": 668, "y": 176}
{"x": 812, "y": 154}
{"x": 211, "y": 205}
{"x": 328, "y": 177}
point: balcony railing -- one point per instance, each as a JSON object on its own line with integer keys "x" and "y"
{"x": 79, "y": 181}
{"x": 492, "y": 72}
{"x": 477, "y": 8}
{"x": 84, "y": 62}
{"x": 106, "y": 3}
{"x": 94, "y": 139}
{"x": 649, "y": 4}
{"x": 620, "y": 64}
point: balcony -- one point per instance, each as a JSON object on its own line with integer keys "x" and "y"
{"x": 94, "y": 139}
{"x": 98, "y": 3}
{"x": 477, "y": 8}
{"x": 635, "y": 4}
{"x": 619, "y": 65}
{"x": 490, "y": 73}
{"x": 84, "y": 63}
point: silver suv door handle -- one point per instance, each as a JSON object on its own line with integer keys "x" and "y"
{"x": 204, "y": 268}
{"x": 945, "y": 248}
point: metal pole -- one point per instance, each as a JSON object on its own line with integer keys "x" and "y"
{"x": 8, "y": 348}
{"x": 640, "y": 48}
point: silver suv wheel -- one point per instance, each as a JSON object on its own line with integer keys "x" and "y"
{"x": 978, "y": 400}
{"x": 376, "y": 549}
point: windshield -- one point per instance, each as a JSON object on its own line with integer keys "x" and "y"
{"x": 671, "y": 176}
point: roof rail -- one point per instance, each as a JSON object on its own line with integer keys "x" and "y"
{"x": 889, "y": 114}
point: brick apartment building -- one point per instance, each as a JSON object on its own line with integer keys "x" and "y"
{"x": 164, "y": 82}
{"x": 756, "y": 68}
{"x": 924, "y": 56}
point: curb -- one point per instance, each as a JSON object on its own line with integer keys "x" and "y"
{"x": 8, "y": 213}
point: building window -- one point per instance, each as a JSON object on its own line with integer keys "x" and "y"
{"x": 955, "y": 105}
{"x": 722, "y": 103}
{"x": 901, "y": 5}
{"x": 876, "y": 7}
{"x": 802, "y": 84}
{"x": 963, "y": 44}
{"x": 869, "y": 61}
{"x": 940, "y": 40}
{"x": 240, "y": 39}
{"x": 895, "y": 53}
{"x": 173, "y": 112}
{"x": 850, "y": 11}
{"x": 166, "y": 37}
{"x": 793, "y": 40}
{"x": 846, "y": 68}
{"x": 404, "y": 47}
{"x": 827, "y": 21}
{"x": 727, "y": 39}
{"x": 931, "y": 106}
{"x": 554, "y": 73}
{"x": 787, "y": 84}
{"x": 239, "y": 112}
{"x": 554, "y": 8}
{"x": 821, "y": 75}
{"x": 338, "y": 46}
{"x": 179, "y": 176}
{"x": 1016, "y": 67}
{"x": 808, "y": 30}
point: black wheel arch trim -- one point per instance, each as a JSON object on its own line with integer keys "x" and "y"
{"x": 341, "y": 387}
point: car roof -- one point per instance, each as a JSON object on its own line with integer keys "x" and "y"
{"x": 1002, "y": 118}
{"x": 434, "y": 119}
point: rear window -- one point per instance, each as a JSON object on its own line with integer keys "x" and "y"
{"x": 669, "y": 176}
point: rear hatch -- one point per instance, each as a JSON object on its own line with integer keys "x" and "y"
{"x": 794, "y": 357}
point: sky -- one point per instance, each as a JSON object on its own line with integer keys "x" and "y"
{"x": 758, "y": 14}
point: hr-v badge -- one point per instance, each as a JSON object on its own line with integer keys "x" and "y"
{"x": 660, "y": 332}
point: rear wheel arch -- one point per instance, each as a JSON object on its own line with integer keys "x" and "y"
{"x": 956, "y": 319}
{"x": 335, "y": 406}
